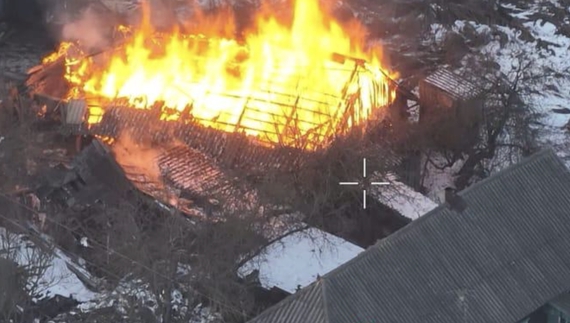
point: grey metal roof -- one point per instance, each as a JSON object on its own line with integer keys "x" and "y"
{"x": 305, "y": 306}
{"x": 456, "y": 86}
{"x": 562, "y": 303}
{"x": 506, "y": 255}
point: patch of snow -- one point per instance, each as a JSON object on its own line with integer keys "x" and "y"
{"x": 57, "y": 279}
{"x": 299, "y": 258}
{"x": 438, "y": 175}
{"x": 202, "y": 314}
{"x": 66, "y": 282}
{"x": 550, "y": 90}
{"x": 520, "y": 13}
{"x": 84, "y": 242}
{"x": 402, "y": 198}
{"x": 128, "y": 290}
{"x": 132, "y": 293}
{"x": 414, "y": 111}
{"x": 548, "y": 85}
{"x": 439, "y": 32}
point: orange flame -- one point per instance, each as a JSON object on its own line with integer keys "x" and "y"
{"x": 277, "y": 74}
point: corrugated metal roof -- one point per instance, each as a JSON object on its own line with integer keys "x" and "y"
{"x": 505, "y": 256}
{"x": 306, "y": 306}
{"x": 75, "y": 112}
{"x": 456, "y": 86}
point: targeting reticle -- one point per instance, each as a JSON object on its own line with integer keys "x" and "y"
{"x": 364, "y": 179}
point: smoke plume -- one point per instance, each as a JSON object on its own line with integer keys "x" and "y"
{"x": 89, "y": 29}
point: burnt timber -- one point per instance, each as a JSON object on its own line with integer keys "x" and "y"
{"x": 204, "y": 167}
{"x": 230, "y": 149}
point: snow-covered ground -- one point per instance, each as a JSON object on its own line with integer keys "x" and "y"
{"x": 57, "y": 278}
{"x": 548, "y": 91}
{"x": 547, "y": 87}
{"x": 299, "y": 258}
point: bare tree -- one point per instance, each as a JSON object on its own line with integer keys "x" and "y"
{"x": 509, "y": 127}
{"x": 313, "y": 188}
{"x": 23, "y": 266}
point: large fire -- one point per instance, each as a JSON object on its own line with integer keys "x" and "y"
{"x": 279, "y": 83}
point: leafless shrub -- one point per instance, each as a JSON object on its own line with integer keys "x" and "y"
{"x": 23, "y": 267}
{"x": 510, "y": 124}
{"x": 313, "y": 189}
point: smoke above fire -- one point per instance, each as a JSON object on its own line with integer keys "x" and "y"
{"x": 88, "y": 30}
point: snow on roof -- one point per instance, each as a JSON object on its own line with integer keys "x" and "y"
{"x": 402, "y": 198}
{"x": 298, "y": 258}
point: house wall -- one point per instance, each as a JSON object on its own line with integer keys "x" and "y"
{"x": 453, "y": 123}
{"x": 556, "y": 316}
{"x": 547, "y": 314}
{"x": 434, "y": 102}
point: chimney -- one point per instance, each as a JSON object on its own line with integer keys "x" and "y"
{"x": 454, "y": 201}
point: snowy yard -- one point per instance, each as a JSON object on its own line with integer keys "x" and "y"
{"x": 56, "y": 278}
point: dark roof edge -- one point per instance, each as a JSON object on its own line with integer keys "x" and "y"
{"x": 285, "y": 302}
{"x": 538, "y": 155}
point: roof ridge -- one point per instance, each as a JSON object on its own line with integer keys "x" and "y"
{"x": 526, "y": 161}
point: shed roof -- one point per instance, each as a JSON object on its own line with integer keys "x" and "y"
{"x": 505, "y": 256}
{"x": 299, "y": 258}
{"x": 455, "y": 85}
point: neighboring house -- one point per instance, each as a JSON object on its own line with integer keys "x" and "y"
{"x": 402, "y": 198}
{"x": 504, "y": 257}
{"x": 298, "y": 259}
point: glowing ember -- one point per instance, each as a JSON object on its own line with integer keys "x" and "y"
{"x": 279, "y": 84}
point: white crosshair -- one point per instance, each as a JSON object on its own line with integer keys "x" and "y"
{"x": 358, "y": 183}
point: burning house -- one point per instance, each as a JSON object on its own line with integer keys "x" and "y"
{"x": 191, "y": 115}
{"x": 262, "y": 102}
{"x": 193, "y": 119}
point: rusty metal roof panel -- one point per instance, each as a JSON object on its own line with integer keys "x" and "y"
{"x": 455, "y": 85}
{"x": 190, "y": 170}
